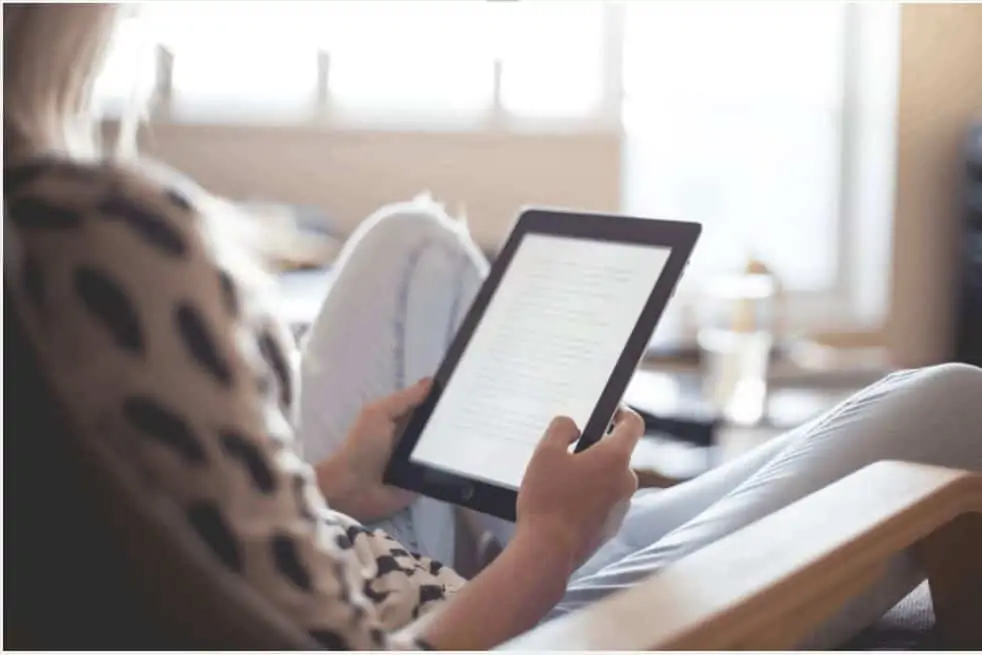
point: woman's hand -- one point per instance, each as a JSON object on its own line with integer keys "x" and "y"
{"x": 567, "y": 504}
{"x": 576, "y": 501}
{"x": 351, "y": 478}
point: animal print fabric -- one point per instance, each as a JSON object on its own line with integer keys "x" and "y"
{"x": 155, "y": 348}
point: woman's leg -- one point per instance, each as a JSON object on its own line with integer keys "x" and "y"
{"x": 402, "y": 284}
{"x": 656, "y": 512}
{"x": 931, "y": 416}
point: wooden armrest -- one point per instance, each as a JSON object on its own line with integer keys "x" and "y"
{"x": 772, "y": 583}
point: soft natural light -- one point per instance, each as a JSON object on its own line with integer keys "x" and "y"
{"x": 218, "y": 86}
{"x": 388, "y": 59}
{"x": 422, "y": 57}
{"x": 129, "y": 74}
{"x": 732, "y": 111}
{"x": 733, "y": 114}
{"x": 552, "y": 60}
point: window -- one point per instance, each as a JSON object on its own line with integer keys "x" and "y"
{"x": 552, "y": 59}
{"x": 764, "y": 121}
{"x": 753, "y": 118}
{"x": 405, "y": 61}
{"x": 734, "y": 116}
{"x": 129, "y": 74}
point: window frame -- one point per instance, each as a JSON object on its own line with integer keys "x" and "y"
{"x": 843, "y": 305}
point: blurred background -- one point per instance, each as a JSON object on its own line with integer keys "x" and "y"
{"x": 825, "y": 146}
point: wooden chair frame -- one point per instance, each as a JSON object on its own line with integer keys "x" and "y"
{"x": 771, "y": 584}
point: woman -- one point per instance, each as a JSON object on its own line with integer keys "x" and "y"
{"x": 156, "y": 343}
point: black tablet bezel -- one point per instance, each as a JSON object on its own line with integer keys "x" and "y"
{"x": 680, "y": 237}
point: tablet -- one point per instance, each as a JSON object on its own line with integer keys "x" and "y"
{"x": 557, "y": 328}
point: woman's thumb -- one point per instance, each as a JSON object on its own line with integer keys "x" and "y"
{"x": 562, "y": 431}
{"x": 406, "y": 399}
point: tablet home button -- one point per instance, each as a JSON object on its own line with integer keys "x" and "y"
{"x": 466, "y": 493}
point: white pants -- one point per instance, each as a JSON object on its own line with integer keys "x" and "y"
{"x": 403, "y": 283}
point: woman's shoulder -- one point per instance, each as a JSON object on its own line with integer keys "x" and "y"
{"x": 78, "y": 183}
{"x": 148, "y": 236}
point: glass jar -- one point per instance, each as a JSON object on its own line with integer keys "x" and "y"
{"x": 737, "y": 317}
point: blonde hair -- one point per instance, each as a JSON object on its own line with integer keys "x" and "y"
{"x": 52, "y": 54}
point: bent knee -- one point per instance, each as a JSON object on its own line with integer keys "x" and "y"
{"x": 955, "y": 378}
{"x": 405, "y": 226}
{"x": 952, "y": 386}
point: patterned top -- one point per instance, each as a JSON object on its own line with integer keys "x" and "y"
{"x": 153, "y": 347}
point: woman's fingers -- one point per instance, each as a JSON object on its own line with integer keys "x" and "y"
{"x": 397, "y": 404}
{"x": 628, "y": 430}
{"x": 562, "y": 431}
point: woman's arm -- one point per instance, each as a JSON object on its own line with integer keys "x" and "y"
{"x": 565, "y": 510}
{"x": 505, "y": 599}
{"x": 351, "y": 478}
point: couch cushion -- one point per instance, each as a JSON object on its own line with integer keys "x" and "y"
{"x": 909, "y": 625}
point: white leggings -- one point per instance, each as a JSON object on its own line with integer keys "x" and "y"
{"x": 404, "y": 281}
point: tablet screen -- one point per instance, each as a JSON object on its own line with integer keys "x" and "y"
{"x": 548, "y": 341}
